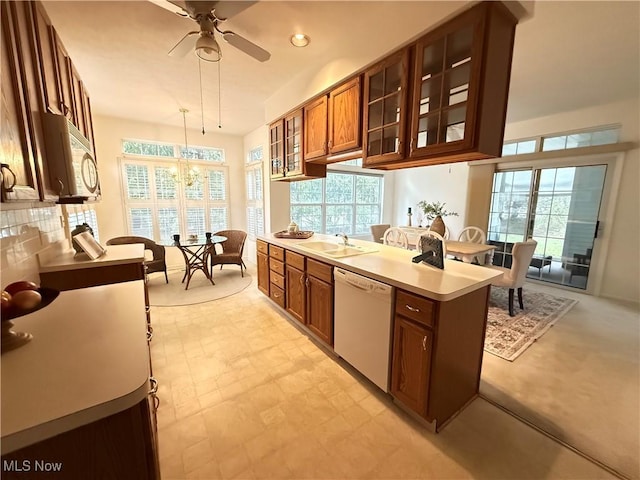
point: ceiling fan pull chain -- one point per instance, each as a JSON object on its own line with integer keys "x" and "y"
{"x": 201, "y": 100}
{"x": 219, "y": 99}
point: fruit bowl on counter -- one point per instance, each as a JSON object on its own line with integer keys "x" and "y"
{"x": 20, "y": 299}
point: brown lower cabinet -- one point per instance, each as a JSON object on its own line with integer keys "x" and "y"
{"x": 300, "y": 285}
{"x": 437, "y": 346}
{"x": 122, "y": 446}
{"x": 437, "y": 353}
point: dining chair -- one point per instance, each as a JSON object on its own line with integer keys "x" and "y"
{"x": 232, "y": 249}
{"x": 515, "y": 276}
{"x": 429, "y": 233}
{"x": 377, "y": 231}
{"x": 472, "y": 235}
{"x": 395, "y": 237}
{"x": 157, "y": 263}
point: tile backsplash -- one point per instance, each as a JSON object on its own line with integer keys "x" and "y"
{"x": 26, "y": 233}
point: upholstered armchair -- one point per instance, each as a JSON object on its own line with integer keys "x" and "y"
{"x": 157, "y": 263}
{"x": 515, "y": 276}
{"x": 232, "y": 249}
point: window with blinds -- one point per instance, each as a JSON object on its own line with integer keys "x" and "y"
{"x": 255, "y": 193}
{"x": 158, "y": 206}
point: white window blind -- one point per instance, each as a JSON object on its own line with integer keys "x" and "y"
{"x": 157, "y": 206}
{"x": 255, "y": 195}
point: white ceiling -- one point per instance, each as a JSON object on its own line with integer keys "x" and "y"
{"x": 567, "y": 54}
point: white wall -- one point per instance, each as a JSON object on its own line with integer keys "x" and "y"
{"x": 259, "y": 137}
{"x": 109, "y": 133}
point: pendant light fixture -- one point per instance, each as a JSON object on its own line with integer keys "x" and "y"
{"x": 185, "y": 173}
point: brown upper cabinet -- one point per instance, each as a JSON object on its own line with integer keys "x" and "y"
{"x": 385, "y": 100}
{"x": 333, "y": 123}
{"x": 460, "y": 86}
{"x": 37, "y": 77}
{"x": 286, "y": 146}
{"x": 315, "y": 128}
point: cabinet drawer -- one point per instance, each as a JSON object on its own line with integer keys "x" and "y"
{"x": 277, "y": 295}
{"x": 295, "y": 260}
{"x": 277, "y": 279}
{"x": 276, "y": 252}
{"x": 262, "y": 247}
{"x": 319, "y": 270}
{"x": 276, "y": 266}
{"x": 415, "y": 307}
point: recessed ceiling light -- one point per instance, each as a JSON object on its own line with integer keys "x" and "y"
{"x": 299, "y": 40}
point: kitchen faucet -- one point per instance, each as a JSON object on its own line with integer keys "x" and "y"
{"x": 345, "y": 239}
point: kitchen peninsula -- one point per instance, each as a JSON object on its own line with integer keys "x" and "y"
{"x": 438, "y": 317}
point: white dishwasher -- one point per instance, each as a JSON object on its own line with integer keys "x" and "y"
{"x": 362, "y": 324}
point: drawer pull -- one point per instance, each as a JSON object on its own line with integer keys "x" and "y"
{"x": 424, "y": 343}
{"x": 154, "y": 386}
{"x": 413, "y": 309}
{"x": 276, "y": 294}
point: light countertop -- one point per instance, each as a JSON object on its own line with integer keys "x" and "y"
{"x": 392, "y": 265}
{"x": 88, "y": 359}
{"x": 115, "y": 255}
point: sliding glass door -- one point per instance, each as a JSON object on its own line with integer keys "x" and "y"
{"x": 557, "y": 207}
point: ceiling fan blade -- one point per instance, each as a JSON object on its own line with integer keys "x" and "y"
{"x": 174, "y": 6}
{"x": 246, "y": 46}
{"x": 185, "y": 45}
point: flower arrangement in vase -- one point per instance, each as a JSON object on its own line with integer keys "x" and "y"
{"x": 432, "y": 210}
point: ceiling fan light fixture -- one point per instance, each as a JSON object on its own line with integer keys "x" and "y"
{"x": 299, "y": 40}
{"x": 207, "y": 48}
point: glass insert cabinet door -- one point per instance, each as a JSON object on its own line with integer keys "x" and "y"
{"x": 559, "y": 209}
{"x": 385, "y": 90}
{"x": 276, "y": 149}
{"x": 443, "y": 99}
{"x": 293, "y": 143}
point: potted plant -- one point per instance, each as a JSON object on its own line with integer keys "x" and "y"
{"x": 431, "y": 211}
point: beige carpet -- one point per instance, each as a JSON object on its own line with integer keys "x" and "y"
{"x": 507, "y": 337}
{"x": 228, "y": 281}
{"x": 580, "y": 381}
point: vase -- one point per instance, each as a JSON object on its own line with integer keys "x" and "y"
{"x": 438, "y": 225}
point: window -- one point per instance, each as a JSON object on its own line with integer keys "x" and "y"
{"x": 341, "y": 202}
{"x": 77, "y": 215}
{"x": 585, "y": 138}
{"x": 158, "y": 206}
{"x": 255, "y": 193}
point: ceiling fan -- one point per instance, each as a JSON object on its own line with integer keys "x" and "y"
{"x": 209, "y": 15}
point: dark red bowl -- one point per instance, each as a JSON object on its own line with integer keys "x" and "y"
{"x": 48, "y": 296}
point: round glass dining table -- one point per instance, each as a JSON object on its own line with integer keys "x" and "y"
{"x": 196, "y": 253}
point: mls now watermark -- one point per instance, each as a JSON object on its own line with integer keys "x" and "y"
{"x": 31, "y": 466}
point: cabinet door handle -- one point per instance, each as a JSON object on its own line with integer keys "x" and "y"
{"x": 147, "y": 309}
{"x": 7, "y": 184}
{"x": 302, "y": 280}
{"x": 156, "y": 402}
{"x": 306, "y": 282}
{"x": 424, "y": 343}
{"x": 330, "y": 144}
{"x": 149, "y": 333}
{"x": 154, "y": 386}
{"x": 413, "y": 309}
{"x": 411, "y": 146}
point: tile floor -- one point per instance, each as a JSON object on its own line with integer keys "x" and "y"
{"x": 244, "y": 394}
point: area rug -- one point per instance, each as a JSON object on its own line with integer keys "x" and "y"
{"x": 227, "y": 282}
{"x": 507, "y": 337}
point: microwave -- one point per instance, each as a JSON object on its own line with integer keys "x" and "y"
{"x": 70, "y": 160}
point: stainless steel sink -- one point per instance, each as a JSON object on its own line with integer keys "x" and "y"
{"x": 336, "y": 250}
